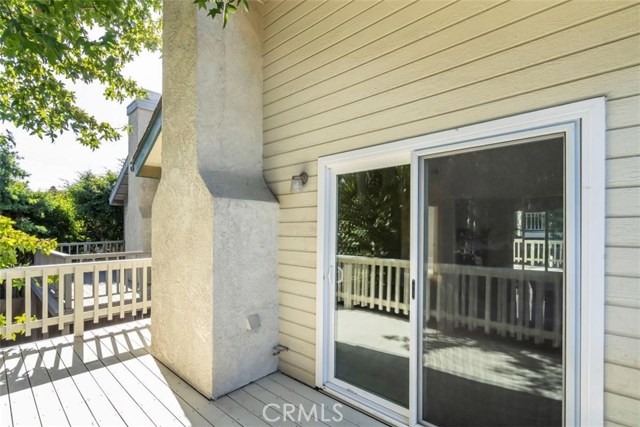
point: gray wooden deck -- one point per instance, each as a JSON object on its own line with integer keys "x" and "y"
{"x": 110, "y": 379}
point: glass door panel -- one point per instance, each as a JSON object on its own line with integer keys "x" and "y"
{"x": 371, "y": 316}
{"x": 493, "y": 310}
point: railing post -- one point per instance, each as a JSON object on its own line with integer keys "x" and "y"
{"x": 67, "y": 297}
{"x": 78, "y": 304}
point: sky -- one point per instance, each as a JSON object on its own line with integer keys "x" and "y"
{"x": 53, "y": 164}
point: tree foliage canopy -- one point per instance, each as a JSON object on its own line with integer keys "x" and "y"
{"x": 90, "y": 195}
{"x": 373, "y": 213}
{"x": 79, "y": 212}
{"x": 46, "y": 214}
{"x": 13, "y": 242}
{"x": 46, "y": 44}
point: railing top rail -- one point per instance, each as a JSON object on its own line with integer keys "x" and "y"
{"x": 366, "y": 259}
{"x": 101, "y": 255}
{"x": 4, "y": 271}
{"x": 90, "y": 243}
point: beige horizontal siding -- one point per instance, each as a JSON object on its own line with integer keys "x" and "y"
{"x": 623, "y": 291}
{"x": 295, "y": 287}
{"x": 302, "y": 347}
{"x": 622, "y": 380}
{"x": 300, "y": 244}
{"x": 623, "y": 202}
{"x": 397, "y": 87}
{"x": 298, "y": 302}
{"x": 298, "y": 331}
{"x": 622, "y": 351}
{"x": 296, "y": 372}
{"x": 623, "y": 142}
{"x": 342, "y": 75}
{"x": 621, "y": 409}
{"x": 304, "y": 259}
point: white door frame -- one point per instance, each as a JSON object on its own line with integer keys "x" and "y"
{"x": 588, "y": 118}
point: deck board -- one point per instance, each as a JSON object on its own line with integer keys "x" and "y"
{"x": 257, "y": 408}
{"x": 180, "y": 410}
{"x": 135, "y": 391}
{"x": 89, "y": 372}
{"x": 24, "y": 411}
{"x": 110, "y": 378}
{"x": 73, "y": 402}
{"x": 5, "y": 406}
{"x": 45, "y": 395}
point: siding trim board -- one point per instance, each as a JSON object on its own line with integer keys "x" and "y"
{"x": 584, "y": 124}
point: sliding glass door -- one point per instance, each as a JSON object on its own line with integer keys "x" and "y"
{"x": 492, "y": 291}
{"x": 462, "y": 273}
{"x": 371, "y": 284}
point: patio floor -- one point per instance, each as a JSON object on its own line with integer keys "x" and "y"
{"x": 110, "y": 379}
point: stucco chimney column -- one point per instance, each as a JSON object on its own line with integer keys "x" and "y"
{"x": 140, "y": 192}
{"x": 215, "y": 225}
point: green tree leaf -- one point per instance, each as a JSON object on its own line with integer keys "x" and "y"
{"x": 46, "y": 44}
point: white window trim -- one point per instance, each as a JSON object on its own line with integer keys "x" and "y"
{"x": 590, "y": 119}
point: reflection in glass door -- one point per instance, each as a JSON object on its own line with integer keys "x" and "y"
{"x": 493, "y": 310}
{"x": 371, "y": 316}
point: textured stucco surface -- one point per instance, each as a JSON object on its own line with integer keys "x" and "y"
{"x": 215, "y": 222}
{"x": 141, "y": 191}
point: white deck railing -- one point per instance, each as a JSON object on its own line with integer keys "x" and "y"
{"x": 56, "y": 257}
{"x": 71, "y": 293}
{"x": 520, "y": 303}
{"x": 374, "y": 282}
{"x": 77, "y": 248}
{"x": 538, "y": 254}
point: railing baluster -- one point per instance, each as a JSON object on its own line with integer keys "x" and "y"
{"x": 144, "y": 289}
{"x": 27, "y": 303}
{"x": 407, "y": 291}
{"x": 539, "y": 311}
{"x": 396, "y": 302}
{"x": 96, "y": 294}
{"x": 121, "y": 286}
{"x": 457, "y": 286}
{"x": 502, "y": 318}
{"x": 371, "y": 268}
{"x": 513, "y": 306}
{"x": 388, "y": 289}
{"x": 109, "y": 287}
{"x": 134, "y": 291}
{"x": 439, "y": 298}
{"x": 8, "y": 281}
{"x": 347, "y": 284}
{"x": 45, "y": 302}
{"x": 62, "y": 287}
{"x": 521, "y": 309}
{"x": 473, "y": 301}
{"x": 557, "y": 312}
{"x": 487, "y": 304}
{"x": 380, "y": 286}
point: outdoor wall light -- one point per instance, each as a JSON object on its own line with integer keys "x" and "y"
{"x": 297, "y": 181}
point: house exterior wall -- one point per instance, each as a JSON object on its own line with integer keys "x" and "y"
{"x": 344, "y": 75}
{"x": 141, "y": 191}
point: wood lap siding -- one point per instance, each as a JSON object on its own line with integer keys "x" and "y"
{"x": 341, "y": 75}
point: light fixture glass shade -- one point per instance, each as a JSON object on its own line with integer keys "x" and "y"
{"x": 297, "y": 181}
{"x": 296, "y": 184}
